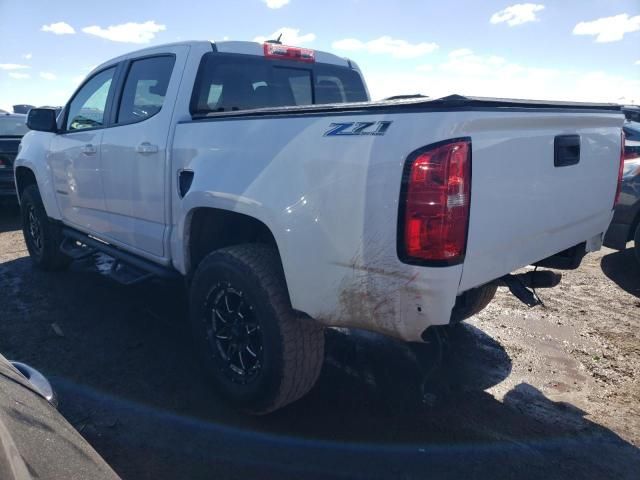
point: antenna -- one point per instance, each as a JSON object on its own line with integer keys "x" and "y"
{"x": 277, "y": 41}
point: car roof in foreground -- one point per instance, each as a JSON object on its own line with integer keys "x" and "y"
{"x": 36, "y": 441}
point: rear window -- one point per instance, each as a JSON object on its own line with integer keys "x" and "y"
{"x": 227, "y": 82}
{"x": 12, "y": 126}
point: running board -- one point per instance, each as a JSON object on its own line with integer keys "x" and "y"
{"x": 127, "y": 268}
{"x": 71, "y": 248}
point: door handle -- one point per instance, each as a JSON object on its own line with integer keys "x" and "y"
{"x": 89, "y": 149}
{"x": 566, "y": 150}
{"x": 146, "y": 147}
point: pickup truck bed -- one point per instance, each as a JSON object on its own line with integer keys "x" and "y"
{"x": 338, "y": 196}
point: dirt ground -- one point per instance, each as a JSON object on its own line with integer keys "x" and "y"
{"x": 521, "y": 393}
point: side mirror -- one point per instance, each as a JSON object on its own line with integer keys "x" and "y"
{"x": 42, "y": 119}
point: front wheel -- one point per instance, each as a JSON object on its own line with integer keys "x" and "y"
{"x": 259, "y": 353}
{"x": 42, "y": 236}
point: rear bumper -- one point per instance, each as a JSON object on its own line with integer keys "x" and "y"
{"x": 401, "y": 302}
{"x": 617, "y": 236}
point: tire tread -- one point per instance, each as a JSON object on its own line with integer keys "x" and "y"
{"x": 302, "y": 339}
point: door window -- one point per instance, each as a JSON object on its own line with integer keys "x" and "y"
{"x": 88, "y": 106}
{"x": 145, "y": 88}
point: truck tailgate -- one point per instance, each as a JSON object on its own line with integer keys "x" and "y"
{"x": 524, "y": 205}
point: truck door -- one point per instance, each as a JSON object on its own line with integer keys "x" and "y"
{"x": 134, "y": 151}
{"x": 75, "y": 154}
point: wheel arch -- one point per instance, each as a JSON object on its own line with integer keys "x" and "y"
{"x": 210, "y": 228}
{"x": 24, "y": 177}
{"x": 29, "y": 173}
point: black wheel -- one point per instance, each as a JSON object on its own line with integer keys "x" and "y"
{"x": 636, "y": 243}
{"x": 42, "y": 236}
{"x": 473, "y": 302}
{"x": 259, "y": 353}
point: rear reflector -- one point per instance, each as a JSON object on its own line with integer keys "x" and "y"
{"x": 620, "y": 169}
{"x": 283, "y": 52}
{"x": 434, "y": 204}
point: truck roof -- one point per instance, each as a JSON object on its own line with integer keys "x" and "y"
{"x": 230, "y": 46}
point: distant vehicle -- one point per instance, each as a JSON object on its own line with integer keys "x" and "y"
{"x": 263, "y": 175}
{"x": 57, "y": 109}
{"x": 632, "y": 113}
{"x": 23, "y": 108}
{"x": 631, "y": 130}
{"x": 35, "y": 440}
{"x": 625, "y": 225}
{"x": 12, "y": 129}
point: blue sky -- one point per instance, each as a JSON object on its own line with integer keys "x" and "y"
{"x": 557, "y": 49}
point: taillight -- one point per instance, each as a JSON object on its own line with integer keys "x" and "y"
{"x": 283, "y": 52}
{"x": 620, "y": 169}
{"x": 434, "y": 204}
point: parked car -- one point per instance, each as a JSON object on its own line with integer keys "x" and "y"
{"x": 289, "y": 202}
{"x": 631, "y": 113}
{"x": 625, "y": 225}
{"x": 35, "y": 440}
{"x": 12, "y": 129}
{"x": 22, "y": 108}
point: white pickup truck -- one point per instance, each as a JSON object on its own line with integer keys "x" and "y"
{"x": 288, "y": 201}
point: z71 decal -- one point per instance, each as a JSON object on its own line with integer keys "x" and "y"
{"x": 357, "y": 128}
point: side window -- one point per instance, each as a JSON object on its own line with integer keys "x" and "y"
{"x": 88, "y": 106}
{"x": 145, "y": 88}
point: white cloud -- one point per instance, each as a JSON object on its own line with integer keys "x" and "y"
{"x": 130, "y": 32}
{"x": 77, "y": 79}
{"x": 19, "y": 75}
{"x": 59, "y": 28}
{"x": 425, "y": 68}
{"x": 348, "y": 44}
{"x": 27, "y": 56}
{"x": 609, "y": 29}
{"x": 48, "y": 75}
{"x": 517, "y": 14}
{"x": 637, "y": 62}
{"x": 468, "y": 73}
{"x": 465, "y": 62}
{"x": 601, "y": 86}
{"x": 276, "y": 3}
{"x": 290, "y": 36}
{"x": 461, "y": 52}
{"x": 12, "y": 66}
{"x": 387, "y": 45}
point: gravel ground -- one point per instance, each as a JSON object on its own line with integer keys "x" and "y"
{"x": 524, "y": 393}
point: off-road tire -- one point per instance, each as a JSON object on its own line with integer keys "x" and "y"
{"x": 292, "y": 346}
{"x": 474, "y": 302}
{"x": 45, "y": 251}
